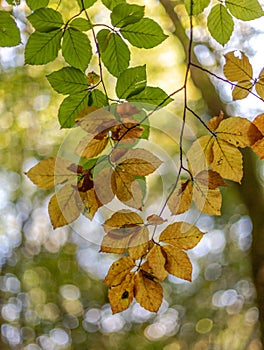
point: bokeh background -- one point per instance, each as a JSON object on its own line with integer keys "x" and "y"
{"x": 51, "y": 291}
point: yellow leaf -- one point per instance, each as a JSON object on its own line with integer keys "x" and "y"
{"x": 260, "y": 84}
{"x": 123, "y": 219}
{"x": 127, "y": 189}
{"x": 181, "y": 235}
{"x": 118, "y": 271}
{"x": 102, "y": 185}
{"x": 97, "y": 121}
{"x": 139, "y": 243}
{"x": 90, "y": 147}
{"x": 121, "y": 296}
{"x": 210, "y": 179}
{"x": 208, "y": 201}
{"x": 200, "y": 154}
{"x": 239, "y": 70}
{"x": 155, "y": 220}
{"x": 50, "y": 172}
{"x": 215, "y": 121}
{"x": 238, "y": 131}
{"x": 181, "y": 198}
{"x": 114, "y": 244}
{"x": 156, "y": 262}
{"x": 177, "y": 262}
{"x": 139, "y": 162}
{"x": 148, "y": 293}
{"x": 64, "y": 206}
{"x": 90, "y": 203}
{"x": 227, "y": 161}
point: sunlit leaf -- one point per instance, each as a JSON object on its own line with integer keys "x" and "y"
{"x": 151, "y": 95}
{"x": 245, "y": 9}
{"x": 181, "y": 235}
{"x": 131, "y": 82}
{"x": 215, "y": 121}
{"x": 220, "y": 24}
{"x": 200, "y": 154}
{"x": 81, "y": 24}
{"x": 85, "y": 4}
{"x": 51, "y": 172}
{"x": 139, "y": 243}
{"x": 121, "y": 296}
{"x": 208, "y": 201}
{"x": 64, "y": 206}
{"x": 260, "y": 84}
{"x": 118, "y": 271}
{"x": 157, "y": 262}
{"x": 36, "y": 4}
{"x": 155, "y": 220}
{"x": 103, "y": 185}
{"x": 110, "y": 4}
{"x": 177, "y": 262}
{"x": 90, "y": 203}
{"x": 70, "y": 107}
{"x": 258, "y": 147}
{"x": 124, "y": 14}
{"x": 90, "y": 147}
{"x": 76, "y": 48}
{"x": 123, "y": 219}
{"x": 46, "y": 19}
{"x": 10, "y": 35}
{"x": 42, "y": 48}
{"x": 210, "y": 179}
{"x": 197, "y": 6}
{"x": 148, "y": 293}
{"x": 68, "y": 80}
{"x": 96, "y": 121}
{"x": 144, "y": 34}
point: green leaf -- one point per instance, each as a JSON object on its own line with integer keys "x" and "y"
{"x": 97, "y": 98}
{"x": 85, "y": 4}
{"x": 37, "y": 4}
{"x": 131, "y": 82}
{"x": 245, "y": 9}
{"x": 114, "y": 52}
{"x": 42, "y": 48}
{"x": 124, "y": 14}
{"x": 68, "y": 80}
{"x": 144, "y": 34}
{"x": 76, "y": 48}
{"x": 81, "y": 24}
{"x": 220, "y": 24}
{"x": 45, "y": 19}
{"x": 110, "y": 4}
{"x": 71, "y": 106}
{"x": 13, "y": 2}
{"x": 9, "y": 33}
{"x": 153, "y": 96}
{"x": 197, "y": 6}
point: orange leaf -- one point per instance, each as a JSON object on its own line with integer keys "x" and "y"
{"x": 258, "y": 148}
{"x": 177, "y": 262}
{"x": 181, "y": 235}
{"x": 148, "y": 293}
{"x": 156, "y": 262}
{"x": 259, "y": 122}
{"x": 64, "y": 206}
{"x": 260, "y": 84}
{"x": 215, "y": 121}
{"x": 121, "y": 296}
{"x": 181, "y": 198}
{"x": 50, "y": 172}
{"x": 90, "y": 147}
{"x": 118, "y": 271}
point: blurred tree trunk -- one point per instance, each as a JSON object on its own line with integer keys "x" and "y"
{"x": 251, "y": 190}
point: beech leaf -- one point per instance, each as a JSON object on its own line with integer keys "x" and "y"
{"x": 181, "y": 199}
{"x": 148, "y": 293}
{"x": 157, "y": 262}
{"x": 121, "y": 296}
{"x": 177, "y": 262}
{"x": 118, "y": 271}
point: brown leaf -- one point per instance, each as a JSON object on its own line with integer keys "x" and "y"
{"x": 260, "y": 84}
{"x": 148, "y": 293}
{"x": 121, "y": 296}
{"x": 91, "y": 147}
{"x": 102, "y": 185}
{"x": 51, "y": 172}
{"x": 118, "y": 271}
{"x": 258, "y": 148}
{"x": 114, "y": 244}
{"x": 126, "y": 110}
{"x": 98, "y": 121}
{"x": 90, "y": 203}
{"x": 181, "y": 235}
{"x": 157, "y": 262}
{"x": 64, "y": 206}
{"x": 215, "y": 121}
{"x": 85, "y": 112}
{"x": 210, "y": 179}
{"x": 155, "y": 220}
{"x": 259, "y": 122}
{"x": 139, "y": 162}
{"x": 127, "y": 133}
{"x": 139, "y": 243}
{"x": 180, "y": 200}
{"x": 177, "y": 262}
{"x": 208, "y": 201}
{"x": 127, "y": 189}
